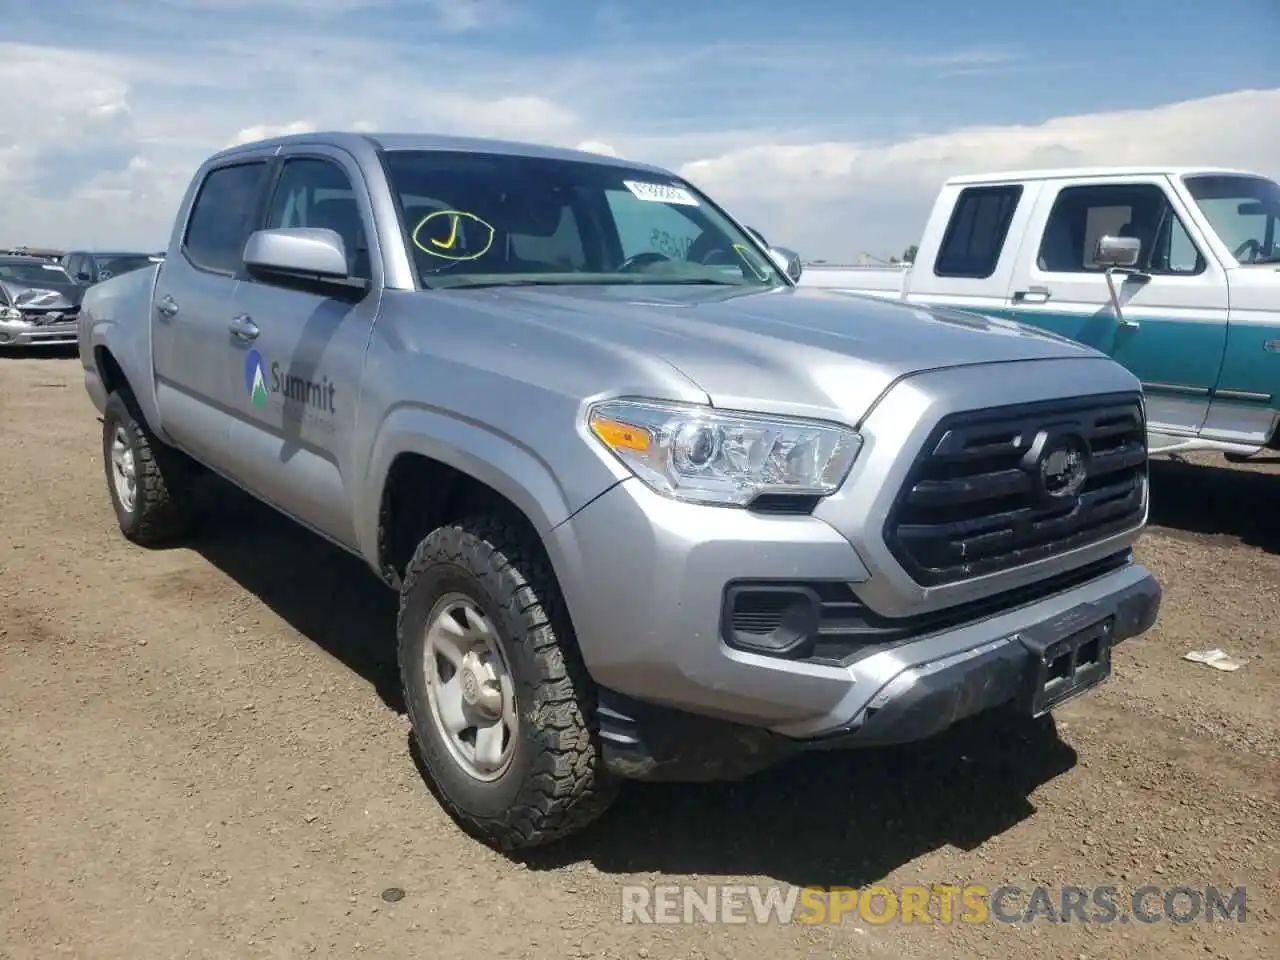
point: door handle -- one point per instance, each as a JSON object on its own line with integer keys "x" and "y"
{"x": 167, "y": 307}
{"x": 242, "y": 328}
{"x": 1032, "y": 295}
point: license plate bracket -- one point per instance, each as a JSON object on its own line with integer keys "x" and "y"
{"x": 1064, "y": 667}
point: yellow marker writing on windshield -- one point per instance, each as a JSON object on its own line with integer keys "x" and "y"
{"x": 453, "y": 238}
{"x": 434, "y": 246}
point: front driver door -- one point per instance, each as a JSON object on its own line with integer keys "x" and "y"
{"x": 294, "y": 384}
{"x": 1173, "y": 329}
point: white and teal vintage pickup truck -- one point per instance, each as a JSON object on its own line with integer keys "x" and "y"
{"x": 1173, "y": 272}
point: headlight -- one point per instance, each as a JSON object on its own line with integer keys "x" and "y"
{"x": 703, "y": 455}
{"x": 9, "y": 313}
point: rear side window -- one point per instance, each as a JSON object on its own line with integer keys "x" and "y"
{"x": 975, "y": 236}
{"x": 223, "y": 215}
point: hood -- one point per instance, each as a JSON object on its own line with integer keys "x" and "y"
{"x": 43, "y": 296}
{"x": 789, "y": 350}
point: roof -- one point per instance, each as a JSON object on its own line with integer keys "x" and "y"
{"x": 1082, "y": 172}
{"x": 357, "y": 142}
{"x": 24, "y": 258}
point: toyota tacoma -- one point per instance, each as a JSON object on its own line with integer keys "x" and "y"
{"x": 651, "y": 509}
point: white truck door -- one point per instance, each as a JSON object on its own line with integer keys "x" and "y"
{"x": 1172, "y": 330}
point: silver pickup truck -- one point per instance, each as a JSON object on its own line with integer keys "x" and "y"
{"x": 652, "y": 510}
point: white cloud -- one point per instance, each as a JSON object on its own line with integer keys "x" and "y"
{"x": 595, "y": 146}
{"x": 97, "y": 149}
{"x": 832, "y": 199}
{"x": 263, "y": 131}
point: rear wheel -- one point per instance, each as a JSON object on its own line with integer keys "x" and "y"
{"x": 501, "y": 707}
{"x": 149, "y": 482}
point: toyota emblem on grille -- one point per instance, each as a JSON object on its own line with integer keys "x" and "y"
{"x": 1063, "y": 467}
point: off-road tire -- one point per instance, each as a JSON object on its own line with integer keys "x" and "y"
{"x": 162, "y": 504}
{"x": 556, "y": 784}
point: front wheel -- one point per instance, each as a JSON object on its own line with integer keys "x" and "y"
{"x": 501, "y": 707}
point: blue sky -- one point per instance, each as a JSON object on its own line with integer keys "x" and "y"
{"x": 781, "y": 110}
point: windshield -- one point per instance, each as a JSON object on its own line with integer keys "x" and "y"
{"x": 1243, "y": 211}
{"x": 477, "y": 219}
{"x": 113, "y": 266}
{"x": 34, "y": 274}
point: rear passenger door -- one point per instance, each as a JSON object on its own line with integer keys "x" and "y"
{"x": 293, "y": 388}
{"x": 1173, "y": 325}
{"x": 192, "y": 306}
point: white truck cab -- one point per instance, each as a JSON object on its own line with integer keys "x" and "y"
{"x": 1173, "y": 272}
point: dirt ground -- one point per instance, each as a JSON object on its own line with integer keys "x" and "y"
{"x": 202, "y": 755}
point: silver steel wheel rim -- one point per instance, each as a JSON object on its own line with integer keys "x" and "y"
{"x": 469, "y": 688}
{"x": 123, "y": 472}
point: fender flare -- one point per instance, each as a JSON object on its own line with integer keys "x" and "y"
{"x": 134, "y": 360}
{"x": 496, "y": 459}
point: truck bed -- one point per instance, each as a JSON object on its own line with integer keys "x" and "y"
{"x": 887, "y": 282}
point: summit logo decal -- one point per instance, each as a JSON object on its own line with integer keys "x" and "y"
{"x": 255, "y": 379}
{"x": 267, "y": 382}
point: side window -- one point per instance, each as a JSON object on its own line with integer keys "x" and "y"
{"x": 645, "y": 227}
{"x": 313, "y": 192}
{"x": 563, "y": 248}
{"x": 1083, "y": 215}
{"x": 222, "y": 216}
{"x": 72, "y": 266}
{"x": 975, "y": 236}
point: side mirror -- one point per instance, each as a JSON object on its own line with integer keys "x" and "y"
{"x": 84, "y": 276}
{"x": 1119, "y": 255}
{"x": 1117, "y": 252}
{"x": 788, "y": 262}
{"x": 302, "y": 252}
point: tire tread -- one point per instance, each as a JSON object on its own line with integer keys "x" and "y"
{"x": 567, "y": 788}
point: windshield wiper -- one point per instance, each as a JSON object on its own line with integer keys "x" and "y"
{"x": 520, "y": 282}
{"x": 691, "y": 281}
{"x": 604, "y": 280}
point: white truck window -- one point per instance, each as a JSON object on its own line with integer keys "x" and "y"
{"x": 977, "y": 230}
{"x": 1084, "y": 214}
{"x": 1244, "y": 210}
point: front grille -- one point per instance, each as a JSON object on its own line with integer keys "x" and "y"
{"x": 44, "y": 317}
{"x": 1000, "y": 488}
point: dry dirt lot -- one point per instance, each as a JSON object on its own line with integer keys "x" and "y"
{"x": 202, "y": 755}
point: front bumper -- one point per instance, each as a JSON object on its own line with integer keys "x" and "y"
{"x": 1036, "y": 669}
{"x": 21, "y": 333}
{"x": 646, "y": 578}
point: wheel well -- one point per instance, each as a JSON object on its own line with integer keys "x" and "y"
{"x": 421, "y": 495}
{"x": 109, "y": 371}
